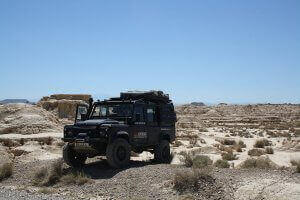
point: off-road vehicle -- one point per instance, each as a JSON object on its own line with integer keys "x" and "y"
{"x": 135, "y": 121}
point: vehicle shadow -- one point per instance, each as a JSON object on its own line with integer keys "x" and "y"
{"x": 101, "y": 170}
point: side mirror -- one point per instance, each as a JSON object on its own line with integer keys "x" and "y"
{"x": 81, "y": 113}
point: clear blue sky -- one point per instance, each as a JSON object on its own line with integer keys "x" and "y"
{"x": 211, "y": 51}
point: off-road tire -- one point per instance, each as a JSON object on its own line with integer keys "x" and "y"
{"x": 118, "y": 153}
{"x": 71, "y": 158}
{"x": 162, "y": 152}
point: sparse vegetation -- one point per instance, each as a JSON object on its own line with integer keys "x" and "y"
{"x": 262, "y": 163}
{"x": 256, "y": 152}
{"x": 191, "y": 181}
{"x": 262, "y": 143}
{"x": 46, "y": 140}
{"x": 297, "y": 124}
{"x": 202, "y": 130}
{"x": 199, "y": 161}
{"x": 77, "y": 178}
{"x": 6, "y": 170}
{"x": 296, "y": 163}
{"x": 228, "y": 156}
{"x": 44, "y": 190}
{"x": 8, "y": 142}
{"x": 228, "y": 142}
{"x": 48, "y": 176}
{"x": 222, "y": 164}
{"x": 177, "y": 143}
{"x": 269, "y": 150}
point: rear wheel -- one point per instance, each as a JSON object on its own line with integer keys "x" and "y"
{"x": 162, "y": 152}
{"x": 118, "y": 153}
{"x": 72, "y": 158}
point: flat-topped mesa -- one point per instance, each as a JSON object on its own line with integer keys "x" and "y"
{"x": 63, "y": 104}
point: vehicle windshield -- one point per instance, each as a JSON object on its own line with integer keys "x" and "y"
{"x": 111, "y": 110}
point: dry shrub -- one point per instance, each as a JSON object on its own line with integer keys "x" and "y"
{"x": 256, "y": 152}
{"x": 44, "y": 191}
{"x": 228, "y": 142}
{"x": 222, "y": 164}
{"x": 191, "y": 181}
{"x": 297, "y": 164}
{"x": 297, "y": 124}
{"x": 201, "y": 161}
{"x": 22, "y": 141}
{"x": 202, "y": 130}
{"x": 77, "y": 178}
{"x": 269, "y": 150}
{"x": 177, "y": 143}
{"x": 46, "y": 140}
{"x": 228, "y": 156}
{"x": 193, "y": 141}
{"x": 6, "y": 171}
{"x": 262, "y": 143}
{"x": 238, "y": 148}
{"x": 262, "y": 163}
{"x": 18, "y": 152}
{"x": 9, "y": 142}
{"x": 48, "y": 176}
{"x": 241, "y": 144}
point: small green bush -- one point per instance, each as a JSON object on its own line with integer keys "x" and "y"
{"x": 256, "y": 152}
{"x": 228, "y": 156}
{"x": 262, "y": 143}
{"x": 201, "y": 161}
{"x": 297, "y": 164}
{"x": 191, "y": 181}
{"x": 222, "y": 164}
{"x": 6, "y": 170}
{"x": 261, "y": 163}
{"x": 269, "y": 150}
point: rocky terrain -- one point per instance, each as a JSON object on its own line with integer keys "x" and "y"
{"x": 30, "y": 140}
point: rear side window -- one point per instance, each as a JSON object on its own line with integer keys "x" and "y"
{"x": 150, "y": 115}
{"x": 138, "y": 113}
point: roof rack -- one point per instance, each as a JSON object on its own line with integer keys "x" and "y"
{"x": 152, "y": 95}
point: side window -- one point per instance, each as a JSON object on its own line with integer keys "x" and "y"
{"x": 138, "y": 113}
{"x": 96, "y": 112}
{"x": 150, "y": 115}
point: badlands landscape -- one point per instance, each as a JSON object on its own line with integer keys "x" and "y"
{"x": 221, "y": 152}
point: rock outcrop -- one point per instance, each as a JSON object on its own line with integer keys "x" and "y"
{"x": 64, "y": 105}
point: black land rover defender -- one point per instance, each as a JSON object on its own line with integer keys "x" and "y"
{"x": 135, "y": 121}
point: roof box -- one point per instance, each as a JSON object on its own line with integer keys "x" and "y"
{"x": 155, "y": 96}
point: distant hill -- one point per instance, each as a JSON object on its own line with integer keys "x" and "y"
{"x": 197, "y": 104}
{"x": 6, "y": 101}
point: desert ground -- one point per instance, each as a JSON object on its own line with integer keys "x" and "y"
{"x": 252, "y": 150}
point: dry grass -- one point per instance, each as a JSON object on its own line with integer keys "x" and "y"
{"x": 269, "y": 150}
{"x": 191, "y": 181}
{"x": 256, "y": 152}
{"x": 47, "y": 176}
{"x": 297, "y": 164}
{"x": 202, "y": 130}
{"x": 261, "y": 163}
{"x": 297, "y": 124}
{"x": 262, "y": 143}
{"x": 177, "y": 143}
{"x": 44, "y": 190}
{"x": 77, "y": 178}
{"x": 6, "y": 170}
{"x": 222, "y": 164}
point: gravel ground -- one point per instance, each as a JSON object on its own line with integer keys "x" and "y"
{"x": 146, "y": 180}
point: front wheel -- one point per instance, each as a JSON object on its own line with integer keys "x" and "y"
{"x": 72, "y": 158}
{"x": 162, "y": 152}
{"x": 118, "y": 153}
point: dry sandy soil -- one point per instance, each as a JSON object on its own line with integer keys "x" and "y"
{"x": 34, "y": 141}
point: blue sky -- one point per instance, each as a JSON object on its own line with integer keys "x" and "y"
{"x": 212, "y": 51}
